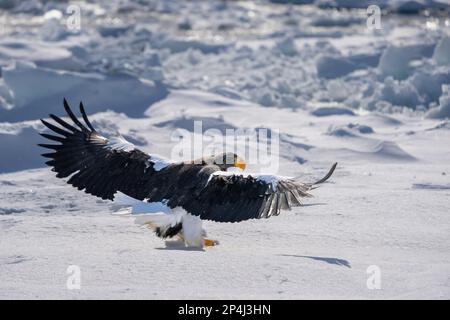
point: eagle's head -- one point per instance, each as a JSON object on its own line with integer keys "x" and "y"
{"x": 226, "y": 160}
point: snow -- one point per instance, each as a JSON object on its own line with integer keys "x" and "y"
{"x": 330, "y": 67}
{"x": 443, "y": 110}
{"x": 375, "y": 101}
{"x": 332, "y": 111}
{"x": 349, "y": 130}
{"x": 441, "y": 52}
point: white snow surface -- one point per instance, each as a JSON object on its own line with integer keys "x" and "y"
{"x": 377, "y": 102}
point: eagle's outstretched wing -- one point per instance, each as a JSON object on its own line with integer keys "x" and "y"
{"x": 98, "y": 165}
{"x": 102, "y": 166}
{"x": 235, "y": 197}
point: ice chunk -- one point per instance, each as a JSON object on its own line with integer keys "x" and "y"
{"x": 442, "y": 52}
{"x": 330, "y": 67}
{"x": 332, "y": 111}
{"x": 443, "y": 110}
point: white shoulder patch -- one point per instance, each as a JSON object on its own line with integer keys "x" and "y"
{"x": 270, "y": 179}
{"x": 118, "y": 142}
{"x": 159, "y": 162}
{"x": 231, "y": 173}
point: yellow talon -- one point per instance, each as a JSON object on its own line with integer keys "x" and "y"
{"x": 210, "y": 242}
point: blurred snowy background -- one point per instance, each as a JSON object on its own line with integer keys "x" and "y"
{"x": 376, "y": 100}
{"x": 124, "y": 56}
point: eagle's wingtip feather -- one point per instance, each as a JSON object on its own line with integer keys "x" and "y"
{"x": 85, "y": 117}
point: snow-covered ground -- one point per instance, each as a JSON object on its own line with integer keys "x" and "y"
{"x": 376, "y": 101}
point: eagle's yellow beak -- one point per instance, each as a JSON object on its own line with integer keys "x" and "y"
{"x": 240, "y": 163}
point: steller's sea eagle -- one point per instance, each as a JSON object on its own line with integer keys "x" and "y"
{"x": 175, "y": 196}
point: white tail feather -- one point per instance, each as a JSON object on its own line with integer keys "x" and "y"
{"x": 121, "y": 200}
{"x": 161, "y": 220}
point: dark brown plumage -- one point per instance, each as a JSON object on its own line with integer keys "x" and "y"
{"x": 102, "y": 167}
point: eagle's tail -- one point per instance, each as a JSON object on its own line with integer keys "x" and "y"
{"x": 163, "y": 224}
{"x": 327, "y": 176}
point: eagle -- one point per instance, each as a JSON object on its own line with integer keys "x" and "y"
{"x": 171, "y": 198}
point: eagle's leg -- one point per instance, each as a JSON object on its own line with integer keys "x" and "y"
{"x": 208, "y": 242}
{"x": 193, "y": 234}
